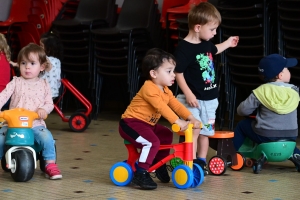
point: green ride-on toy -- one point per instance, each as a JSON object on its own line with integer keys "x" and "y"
{"x": 21, "y": 152}
{"x": 258, "y": 154}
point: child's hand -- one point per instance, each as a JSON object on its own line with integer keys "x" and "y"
{"x": 196, "y": 123}
{"x": 233, "y": 41}
{"x": 192, "y": 100}
{"x": 42, "y": 113}
{"x": 13, "y": 64}
{"x": 182, "y": 123}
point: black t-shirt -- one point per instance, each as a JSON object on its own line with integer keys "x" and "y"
{"x": 195, "y": 61}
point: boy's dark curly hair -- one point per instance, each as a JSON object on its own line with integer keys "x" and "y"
{"x": 52, "y": 45}
{"x": 154, "y": 59}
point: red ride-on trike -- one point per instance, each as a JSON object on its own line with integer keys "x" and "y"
{"x": 80, "y": 120}
{"x": 186, "y": 174}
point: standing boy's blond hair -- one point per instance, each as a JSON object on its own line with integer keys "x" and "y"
{"x": 202, "y": 14}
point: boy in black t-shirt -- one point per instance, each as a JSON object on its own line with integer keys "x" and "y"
{"x": 195, "y": 73}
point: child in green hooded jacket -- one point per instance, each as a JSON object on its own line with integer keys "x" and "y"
{"x": 276, "y": 104}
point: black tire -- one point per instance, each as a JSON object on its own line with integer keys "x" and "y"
{"x": 3, "y": 161}
{"x": 24, "y": 165}
{"x": 255, "y": 168}
{"x": 78, "y": 122}
{"x": 3, "y": 164}
{"x": 42, "y": 161}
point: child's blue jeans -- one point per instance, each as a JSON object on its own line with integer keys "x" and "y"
{"x": 244, "y": 129}
{"x": 42, "y": 136}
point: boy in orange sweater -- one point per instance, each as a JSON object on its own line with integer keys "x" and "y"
{"x": 139, "y": 122}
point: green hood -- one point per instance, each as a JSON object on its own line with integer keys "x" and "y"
{"x": 279, "y": 99}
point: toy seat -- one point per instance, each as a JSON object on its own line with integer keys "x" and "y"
{"x": 277, "y": 151}
{"x": 222, "y": 143}
{"x": 133, "y": 154}
{"x": 226, "y": 153}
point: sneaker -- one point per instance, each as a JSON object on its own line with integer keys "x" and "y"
{"x": 162, "y": 174}
{"x": 143, "y": 179}
{"x": 52, "y": 172}
{"x": 202, "y": 164}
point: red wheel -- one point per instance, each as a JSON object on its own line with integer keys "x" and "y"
{"x": 78, "y": 122}
{"x": 83, "y": 111}
{"x": 217, "y": 165}
{"x": 240, "y": 162}
{"x": 249, "y": 162}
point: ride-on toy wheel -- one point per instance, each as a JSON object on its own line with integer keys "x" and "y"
{"x": 241, "y": 162}
{"x": 121, "y": 174}
{"x": 78, "y": 122}
{"x": 257, "y": 167}
{"x": 198, "y": 175}
{"x": 249, "y": 162}
{"x": 42, "y": 161}
{"x": 182, "y": 177}
{"x": 3, "y": 161}
{"x": 3, "y": 164}
{"x": 23, "y": 162}
{"x": 89, "y": 117}
{"x": 217, "y": 165}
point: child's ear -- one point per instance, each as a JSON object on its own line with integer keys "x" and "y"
{"x": 279, "y": 76}
{"x": 152, "y": 73}
{"x": 197, "y": 28}
{"x": 43, "y": 66}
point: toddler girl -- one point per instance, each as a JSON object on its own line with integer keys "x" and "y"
{"x": 33, "y": 93}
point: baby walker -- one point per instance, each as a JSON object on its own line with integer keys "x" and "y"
{"x": 226, "y": 155}
{"x": 184, "y": 175}
{"x": 80, "y": 120}
{"x": 21, "y": 151}
{"x": 258, "y": 154}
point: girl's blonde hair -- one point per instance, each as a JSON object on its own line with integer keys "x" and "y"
{"x": 4, "y": 47}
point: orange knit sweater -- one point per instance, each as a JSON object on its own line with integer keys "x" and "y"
{"x": 151, "y": 103}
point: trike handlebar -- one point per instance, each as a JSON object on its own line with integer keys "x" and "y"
{"x": 188, "y": 133}
{"x": 176, "y": 127}
{"x": 19, "y": 117}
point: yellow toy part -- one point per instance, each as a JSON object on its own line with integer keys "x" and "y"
{"x": 19, "y": 117}
{"x": 1, "y": 122}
